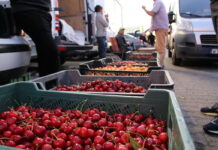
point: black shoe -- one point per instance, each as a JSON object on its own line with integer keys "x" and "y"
{"x": 213, "y": 111}
{"x": 212, "y": 127}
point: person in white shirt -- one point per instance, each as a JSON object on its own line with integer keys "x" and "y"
{"x": 101, "y": 24}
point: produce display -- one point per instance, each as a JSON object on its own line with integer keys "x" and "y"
{"x": 140, "y": 57}
{"x": 126, "y": 63}
{"x": 92, "y": 129}
{"x": 123, "y": 68}
{"x": 104, "y": 86}
{"x": 90, "y": 73}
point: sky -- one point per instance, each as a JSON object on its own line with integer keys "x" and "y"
{"x": 133, "y": 15}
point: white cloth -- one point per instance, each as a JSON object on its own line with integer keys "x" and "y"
{"x": 77, "y": 37}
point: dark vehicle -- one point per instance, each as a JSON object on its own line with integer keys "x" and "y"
{"x": 135, "y": 42}
{"x": 14, "y": 49}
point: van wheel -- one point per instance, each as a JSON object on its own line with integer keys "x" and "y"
{"x": 176, "y": 61}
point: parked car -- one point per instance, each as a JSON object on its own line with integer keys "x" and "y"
{"x": 135, "y": 42}
{"x": 191, "y": 35}
{"x": 14, "y": 49}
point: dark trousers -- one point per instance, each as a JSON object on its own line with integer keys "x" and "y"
{"x": 102, "y": 46}
{"x": 37, "y": 25}
{"x": 215, "y": 24}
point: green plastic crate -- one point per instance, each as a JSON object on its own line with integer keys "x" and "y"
{"x": 161, "y": 103}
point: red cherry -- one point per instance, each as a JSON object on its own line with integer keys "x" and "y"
{"x": 141, "y": 130}
{"x": 62, "y": 136}
{"x": 46, "y": 147}
{"x": 163, "y": 137}
{"x": 28, "y": 134}
{"x": 76, "y": 140}
{"x": 21, "y": 146}
{"x": 87, "y": 124}
{"x": 7, "y": 134}
{"x": 108, "y": 146}
{"x": 102, "y": 122}
{"x": 59, "y": 143}
{"x": 10, "y": 143}
{"x": 77, "y": 147}
{"x": 38, "y": 142}
{"x": 39, "y": 130}
{"x": 11, "y": 120}
{"x": 125, "y": 138}
{"x": 150, "y": 132}
{"x": 99, "y": 140}
{"x": 83, "y": 132}
{"x": 88, "y": 141}
{"x": 18, "y": 130}
{"x": 119, "y": 126}
{"x": 96, "y": 117}
{"x": 90, "y": 133}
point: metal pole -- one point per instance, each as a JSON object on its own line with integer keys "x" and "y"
{"x": 121, "y": 8}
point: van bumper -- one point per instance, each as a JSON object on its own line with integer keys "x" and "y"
{"x": 188, "y": 49}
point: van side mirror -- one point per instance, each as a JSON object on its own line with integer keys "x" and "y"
{"x": 172, "y": 17}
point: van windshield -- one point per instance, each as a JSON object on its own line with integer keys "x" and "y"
{"x": 195, "y": 8}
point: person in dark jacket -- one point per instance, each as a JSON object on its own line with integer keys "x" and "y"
{"x": 33, "y": 17}
{"x": 122, "y": 44}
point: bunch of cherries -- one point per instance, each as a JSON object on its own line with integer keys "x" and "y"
{"x": 92, "y": 129}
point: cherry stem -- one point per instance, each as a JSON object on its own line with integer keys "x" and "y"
{"x": 137, "y": 112}
{"x": 84, "y": 102}
{"x": 4, "y": 138}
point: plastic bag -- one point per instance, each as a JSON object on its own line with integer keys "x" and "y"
{"x": 77, "y": 37}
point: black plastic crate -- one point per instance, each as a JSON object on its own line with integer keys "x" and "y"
{"x": 89, "y": 68}
{"x": 143, "y": 57}
{"x": 157, "y": 80}
{"x": 153, "y": 65}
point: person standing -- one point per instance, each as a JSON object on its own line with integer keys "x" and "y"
{"x": 159, "y": 24}
{"x": 151, "y": 39}
{"x": 33, "y": 17}
{"x": 214, "y": 13}
{"x": 101, "y": 33}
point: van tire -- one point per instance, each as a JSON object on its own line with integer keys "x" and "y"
{"x": 176, "y": 61}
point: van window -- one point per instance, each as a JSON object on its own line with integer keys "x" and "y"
{"x": 195, "y": 8}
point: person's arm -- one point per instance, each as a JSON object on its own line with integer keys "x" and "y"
{"x": 104, "y": 21}
{"x": 150, "y": 13}
{"x": 156, "y": 9}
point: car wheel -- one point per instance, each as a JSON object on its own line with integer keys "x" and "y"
{"x": 176, "y": 61}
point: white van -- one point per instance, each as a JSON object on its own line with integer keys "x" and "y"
{"x": 78, "y": 15}
{"x": 191, "y": 35}
{"x": 14, "y": 49}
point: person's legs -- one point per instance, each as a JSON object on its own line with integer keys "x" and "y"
{"x": 101, "y": 46}
{"x": 160, "y": 44}
{"x": 38, "y": 26}
{"x": 215, "y": 20}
